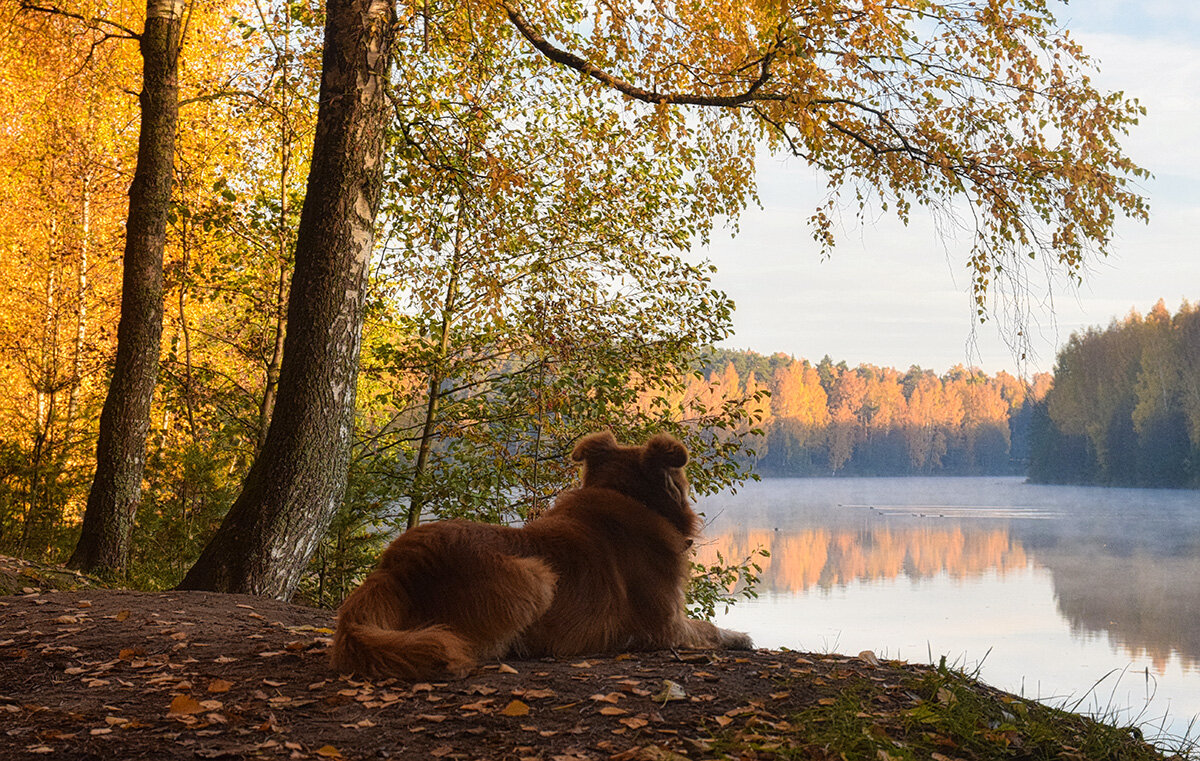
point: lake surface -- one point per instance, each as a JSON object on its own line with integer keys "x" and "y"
{"x": 1077, "y": 596}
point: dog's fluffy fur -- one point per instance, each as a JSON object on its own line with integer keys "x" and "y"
{"x": 602, "y": 571}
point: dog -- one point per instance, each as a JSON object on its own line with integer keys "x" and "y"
{"x": 602, "y": 571}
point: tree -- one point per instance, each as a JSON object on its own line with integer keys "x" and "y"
{"x": 924, "y": 103}
{"x": 296, "y": 483}
{"x": 125, "y": 419}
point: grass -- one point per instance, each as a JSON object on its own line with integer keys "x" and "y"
{"x": 936, "y": 713}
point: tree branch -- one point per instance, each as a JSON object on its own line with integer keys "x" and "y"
{"x": 583, "y": 66}
{"x": 95, "y": 22}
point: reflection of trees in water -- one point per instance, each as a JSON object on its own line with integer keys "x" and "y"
{"x": 1149, "y": 605}
{"x": 832, "y": 557}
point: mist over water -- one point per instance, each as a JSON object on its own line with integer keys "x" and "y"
{"x": 1083, "y": 596}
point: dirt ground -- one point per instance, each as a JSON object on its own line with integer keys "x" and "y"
{"x": 98, "y": 674}
{"x": 101, "y": 674}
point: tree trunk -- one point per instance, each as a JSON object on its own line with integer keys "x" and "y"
{"x": 297, "y": 481}
{"x": 125, "y": 419}
{"x": 81, "y": 283}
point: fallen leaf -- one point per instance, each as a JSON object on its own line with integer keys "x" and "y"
{"x": 612, "y": 711}
{"x": 39, "y": 749}
{"x": 480, "y": 705}
{"x": 506, "y": 669}
{"x": 826, "y": 701}
{"x": 328, "y": 751}
{"x": 184, "y": 705}
{"x": 538, "y": 694}
{"x": 634, "y": 722}
{"x": 723, "y": 721}
{"x": 581, "y": 665}
{"x": 100, "y": 731}
{"x": 273, "y": 683}
{"x": 436, "y": 718}
{"x": 611, "y": 697}
{"x": 122, "y": 615}
{"x": 219, "y": 685}
{"x": 869, "y": 657}
{"x": 670, "y": 691}
{"x": 66, "y": 620}
{"x": 516, "y": 708}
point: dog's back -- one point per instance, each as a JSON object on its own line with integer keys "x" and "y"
{"x": 445, "y": 594}
{"x": 601, "y": 571}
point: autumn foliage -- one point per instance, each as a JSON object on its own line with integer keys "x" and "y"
{"x": 526, "y": 276}
{"x": 831, "y": 419}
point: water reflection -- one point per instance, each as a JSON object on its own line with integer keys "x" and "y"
{"x": 1123, "y": 564}
{"x": 805, "y": 558}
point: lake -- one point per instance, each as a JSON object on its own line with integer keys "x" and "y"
{"x": 1077, "y": 596}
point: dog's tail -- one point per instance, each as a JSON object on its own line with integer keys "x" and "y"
{"x": 371, "y": 638}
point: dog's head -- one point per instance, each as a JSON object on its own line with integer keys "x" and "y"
{"x": 651, "y": 473}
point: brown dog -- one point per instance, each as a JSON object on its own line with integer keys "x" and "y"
{"x": 601, "y": 571}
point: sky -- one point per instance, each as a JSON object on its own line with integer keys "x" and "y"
{"x": 898, "y": 296}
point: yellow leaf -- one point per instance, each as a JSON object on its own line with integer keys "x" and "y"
{"x": 328, "y": 751}
{"x": 184, "y": 705}
{"x": 516, "y": 708}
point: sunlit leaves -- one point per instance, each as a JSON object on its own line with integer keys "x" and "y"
{"x": 982, "y": 112}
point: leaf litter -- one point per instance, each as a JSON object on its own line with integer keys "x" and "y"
{"x": 236, "y": 685}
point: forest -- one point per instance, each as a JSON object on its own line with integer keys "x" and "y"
{"x": 830, "y": 419}
{"x": 1125, "y": 406}
{"x": 284, "y": 278}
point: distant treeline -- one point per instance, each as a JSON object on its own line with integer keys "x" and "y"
{"x": 829, "y": 418}
{"x": 1125, "y": 407}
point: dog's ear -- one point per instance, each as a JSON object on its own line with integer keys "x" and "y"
{"x": 663, "y": 451}
{"x": 592, "y": 445}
